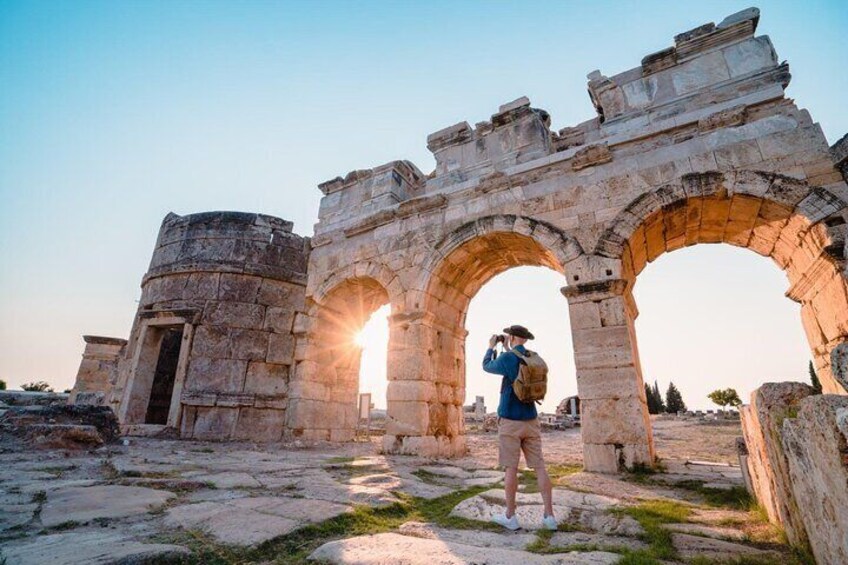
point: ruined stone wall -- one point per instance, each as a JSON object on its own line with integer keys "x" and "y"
{"x": 98, "y": 370}
{"x": 698, "y": 144}
{"x": 233, "y": 282}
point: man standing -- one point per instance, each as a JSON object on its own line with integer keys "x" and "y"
{"x": 518, "y": 428}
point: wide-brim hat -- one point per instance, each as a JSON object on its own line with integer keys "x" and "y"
{"x": 519, "y": 331}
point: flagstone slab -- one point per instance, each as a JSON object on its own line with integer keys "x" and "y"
{"x": 587, "y": 510}
{"x": 90, "y": 548}
{"x": 566, "y": 539}
{"x": 251, "y": 520}
{"x": 689, "y": 546}
{"x": 229, "y": 480}
{"x": 397, "y": 549}
{"x": 83, "y": 504}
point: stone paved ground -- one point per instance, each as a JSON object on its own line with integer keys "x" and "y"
{"x": 196, "y": 502}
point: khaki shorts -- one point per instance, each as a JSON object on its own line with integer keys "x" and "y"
{"x": 515, "y": 436}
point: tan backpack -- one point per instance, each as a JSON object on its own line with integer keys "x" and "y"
{"x": 532, "y": 382}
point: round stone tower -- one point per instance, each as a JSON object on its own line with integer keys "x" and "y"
{"x": 211, "y": 348}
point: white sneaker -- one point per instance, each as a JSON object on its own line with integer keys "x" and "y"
{"x": 549, "y": 523}
{"x": 508, "y": 523}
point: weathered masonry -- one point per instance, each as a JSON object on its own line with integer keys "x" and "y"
{"x": 698, "y": 144}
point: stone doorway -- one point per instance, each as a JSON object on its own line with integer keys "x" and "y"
{"x": 159, "y": 363}
{"x": 162, "y": 389}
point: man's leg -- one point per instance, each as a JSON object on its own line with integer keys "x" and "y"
{"x": 545, "y": 487}
{"x": 510, "y": 488}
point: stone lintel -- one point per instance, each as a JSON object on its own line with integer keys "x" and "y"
{"x": 190, "y": 315}
{"x": 102, "y": 340}
{"x": 595, "y": 290}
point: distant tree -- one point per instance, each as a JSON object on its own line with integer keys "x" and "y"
{"x": 674, "y": 400}
{"x": 2, "y": 384}
{"x": 653, "y": 406}
{"x": 725, "y": 397}
{"x": 658, "y": 398}
{"x": 39, "y": 386}
{"x": 814, "y": 379}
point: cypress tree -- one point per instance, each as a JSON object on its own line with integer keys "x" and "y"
{"x": 658, "y": 399}
{"x": 814, "y": 379}
{"x": 674, "y": 400}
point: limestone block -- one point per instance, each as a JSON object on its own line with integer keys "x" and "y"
{"x": 407, "y": 418}
{"x": 415, "y": 391}
{"x": 767, "y": 464}
{"x": 699, "y": 73}
{"x": 603, "y": 347}
{"x": 749, "y": 56}
{"x": 600, "y": 458}
{"x": 266, "y": 378}
{"x": 281, "y": 294}
{"x": 279, "y": 320}
{"x": 613, "y": 420}
{"x": 281, "y": 348}
{"x": 259, "y": 425}
{"x": 612, "y": 382}
{"x": 234, "y": 315}
{"x": 584, "y": 315}
{"x": 238, "y": 288}
{"x": 815, "y": 443}
{"x": 201, "y": 286}
{"x": 219, "y": 375}
{"x": 214, "y": 423}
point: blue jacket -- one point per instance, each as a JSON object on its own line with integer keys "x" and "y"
{"x": 506, "y": 365}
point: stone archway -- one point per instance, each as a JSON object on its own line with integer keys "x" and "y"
{"x": 325, "y": 391}
{"x": 800, "y": 227}
{"x": 427, "y": 377}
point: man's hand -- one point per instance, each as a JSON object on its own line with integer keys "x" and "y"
{"x": 493, "y": 341}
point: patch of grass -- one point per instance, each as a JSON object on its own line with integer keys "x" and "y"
{"x": 737, "y": 497}
{"x": 69, "y": 525}
{"x": 339, "y": 460}
{"x": 652, "y": 515}
{"x": 39, "y": 497}
{"x": 57, "y": 470}
{"x": 429, "y": 478}
{"x": 203, "y": 450}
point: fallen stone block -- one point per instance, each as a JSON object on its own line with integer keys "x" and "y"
{"x": 816, "y": 443}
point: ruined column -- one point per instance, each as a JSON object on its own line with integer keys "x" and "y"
{"x": 615, "y": 424}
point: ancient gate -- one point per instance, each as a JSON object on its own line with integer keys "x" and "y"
{"x": 698, "y": 144}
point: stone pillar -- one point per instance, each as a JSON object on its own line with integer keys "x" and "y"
{"x": 425, "y": 392}
{"x": 614, "y": 418}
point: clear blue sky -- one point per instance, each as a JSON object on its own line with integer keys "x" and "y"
{"x": 112, "y": 114}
